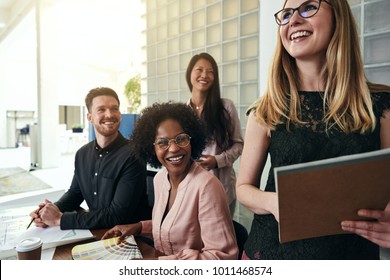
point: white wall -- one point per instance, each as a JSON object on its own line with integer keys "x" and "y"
{"x": 17, "y": 75}
{"x": 268, "y": 35}
{"x": 96, "y": 45}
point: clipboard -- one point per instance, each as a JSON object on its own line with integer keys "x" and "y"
{"x": 315, "y": 197}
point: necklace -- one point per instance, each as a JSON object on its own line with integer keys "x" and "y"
{"x": 196, "y": 106}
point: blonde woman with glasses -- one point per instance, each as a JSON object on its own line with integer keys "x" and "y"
{"x": 317, "y": 105}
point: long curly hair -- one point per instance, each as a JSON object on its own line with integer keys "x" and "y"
{"x": 144, "y": 133}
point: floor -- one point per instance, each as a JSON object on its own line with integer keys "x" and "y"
{"x": 20, "y": 157}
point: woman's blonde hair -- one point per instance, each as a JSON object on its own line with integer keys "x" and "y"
{"x": 347, "y": 97}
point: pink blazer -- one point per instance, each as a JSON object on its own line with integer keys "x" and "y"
{"x": 198, "y": 226}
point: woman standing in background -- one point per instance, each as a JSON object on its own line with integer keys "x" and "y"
{"x": 223, "y": 128}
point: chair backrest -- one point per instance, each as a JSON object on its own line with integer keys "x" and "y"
{"x": 149, "y": 186}
{"x": 25, "y": 130}
{"x": 241, "y": 236}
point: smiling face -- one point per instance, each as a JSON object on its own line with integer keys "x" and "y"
{"x": 105, "y": 115}
{"x": 308, "y": 38}
{"x": 202, "y": 75}
{"x": 177, "y": 160}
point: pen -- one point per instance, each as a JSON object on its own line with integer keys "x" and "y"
{"x": 32, "y": 219}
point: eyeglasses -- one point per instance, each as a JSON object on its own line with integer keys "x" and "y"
{"x": 305, "y": 10}
{"x": 182, "y": 140}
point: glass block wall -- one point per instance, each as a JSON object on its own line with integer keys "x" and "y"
{"x": 229, "y": 30}
{"x": 178, "y": 29}
{"x": 374, "y": 30}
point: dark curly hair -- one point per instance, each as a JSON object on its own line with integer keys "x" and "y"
{"x": 144, "y": 133}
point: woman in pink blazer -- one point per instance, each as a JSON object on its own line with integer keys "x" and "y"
{"x": 191, "y": 218}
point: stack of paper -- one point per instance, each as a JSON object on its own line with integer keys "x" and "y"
{"x": 13, "y": 229}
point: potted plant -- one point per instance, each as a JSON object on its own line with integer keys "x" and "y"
{"x": 77, "y": 128}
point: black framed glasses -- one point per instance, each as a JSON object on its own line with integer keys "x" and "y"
{"x": 306, "y": 9}
{"x": 182, "y": 140}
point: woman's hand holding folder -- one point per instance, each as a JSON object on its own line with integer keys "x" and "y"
{"x": 377, "y": 230}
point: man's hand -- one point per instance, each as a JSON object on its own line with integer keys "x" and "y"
{"x": 49, "y": 215}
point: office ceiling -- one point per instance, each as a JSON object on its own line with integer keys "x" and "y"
{"x": 106, "y": 34}
{"x": 9, "y": 11}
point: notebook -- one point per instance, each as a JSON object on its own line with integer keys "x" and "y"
{"x": 315, "y": 197}
{"x": 13, "y": 223}
{"x": 107, "y": 249}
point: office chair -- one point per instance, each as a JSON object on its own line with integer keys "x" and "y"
{"x": 149, "y": 186}
{"x": 23, "y": 136}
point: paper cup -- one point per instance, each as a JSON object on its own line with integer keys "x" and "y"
{"x": 29, "y": 249}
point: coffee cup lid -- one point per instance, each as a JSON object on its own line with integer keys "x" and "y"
{"x": 29, "y": 244}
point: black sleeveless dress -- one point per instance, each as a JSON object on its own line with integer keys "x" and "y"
{"x": 307, "y": 143}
